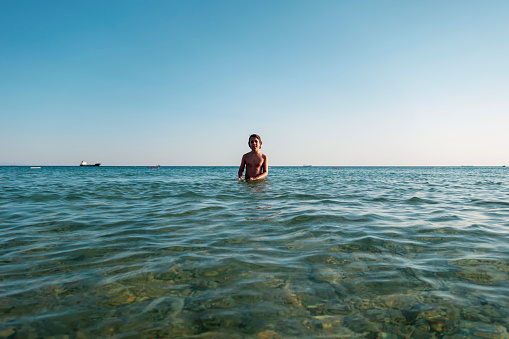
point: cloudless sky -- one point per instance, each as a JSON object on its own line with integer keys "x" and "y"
{"x": 186, "y": 82}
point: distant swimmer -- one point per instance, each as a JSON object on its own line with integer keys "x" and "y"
{"x": 255, "y": 161}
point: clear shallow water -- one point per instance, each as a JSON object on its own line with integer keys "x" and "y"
{"x": 190, "y": 252}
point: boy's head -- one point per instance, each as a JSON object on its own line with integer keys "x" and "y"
{"x": 253, "y": 137}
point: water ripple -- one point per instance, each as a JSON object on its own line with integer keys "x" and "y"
{"x": 186, "y": 252}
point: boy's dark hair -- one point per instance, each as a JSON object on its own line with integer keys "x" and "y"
{"x": 254, "y": 136}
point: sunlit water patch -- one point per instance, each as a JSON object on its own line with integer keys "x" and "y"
{"x": 309, "y": 252}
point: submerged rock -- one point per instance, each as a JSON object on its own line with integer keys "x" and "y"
{"x": 7, "y": 332}
{"x": 268, "y": 334}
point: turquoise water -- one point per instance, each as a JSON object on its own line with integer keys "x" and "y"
{"x": 311, "y": 252}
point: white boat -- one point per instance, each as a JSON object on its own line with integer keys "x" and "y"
{"x": 83, "y": 163}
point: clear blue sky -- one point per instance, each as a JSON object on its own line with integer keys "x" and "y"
{"x": 186, "y": 82}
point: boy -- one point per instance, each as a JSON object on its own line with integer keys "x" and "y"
{"x": 254, "y": 161}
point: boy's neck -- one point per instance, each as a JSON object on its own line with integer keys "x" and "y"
{"x": 255, "y": 151}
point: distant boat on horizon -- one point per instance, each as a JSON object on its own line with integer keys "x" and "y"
{"x": 83, "y": 163}
{"x": 155, "y": 166}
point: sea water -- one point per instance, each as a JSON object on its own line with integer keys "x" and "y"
{"x": 314, "y": 252}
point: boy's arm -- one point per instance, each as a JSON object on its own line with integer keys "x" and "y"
{"x": 241, "y": 168}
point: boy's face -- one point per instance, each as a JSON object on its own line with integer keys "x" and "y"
{"x": 254, "y": 144}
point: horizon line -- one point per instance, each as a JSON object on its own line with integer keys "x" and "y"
{"x": 305, "y": 166}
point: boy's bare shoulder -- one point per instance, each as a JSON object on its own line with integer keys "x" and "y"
{"x": 258, "y": 155}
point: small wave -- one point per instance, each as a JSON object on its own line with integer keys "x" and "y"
{"x": 484, "y": 183}
{"x": 469, "y": 231}
{"x": 445, "y": 218}
{"x": 302, "y": 196}
{"x": 326, "y": 219}
{"x": 488, "y": 203}
{"x": 61, "y": 226}
{"x": 43, "y": 197}
{"x": 264, "y": 217}
{"x": 326, "y": 201}
{"x": 204, "y": 210}
{"x": 381, "y": 199}
{"x": 190, "y": 194}
{"x": 419, "y": 201}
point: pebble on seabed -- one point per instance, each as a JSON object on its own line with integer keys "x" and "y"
{"x": 7, "y": 332}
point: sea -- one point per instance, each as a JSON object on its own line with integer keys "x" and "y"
{"x": 308, "y": 252}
